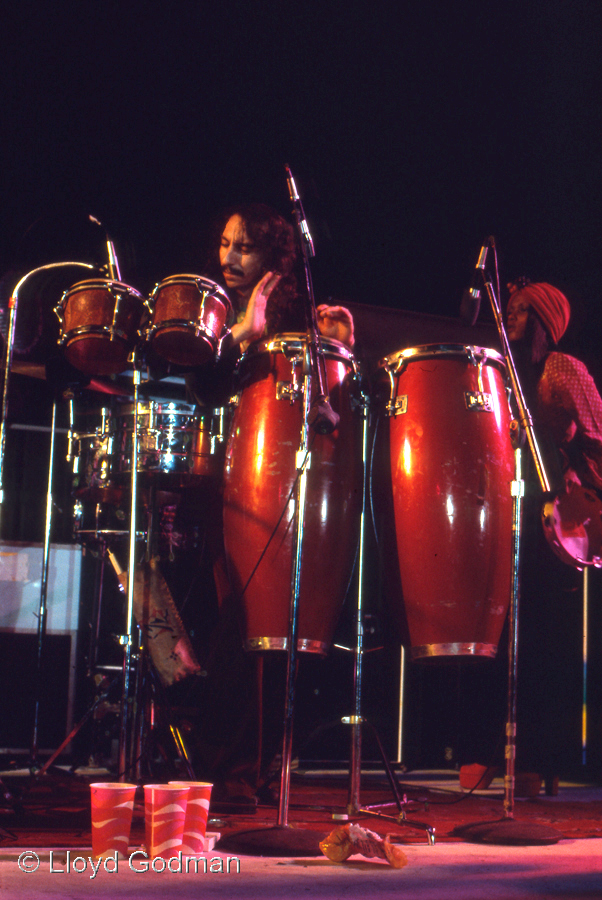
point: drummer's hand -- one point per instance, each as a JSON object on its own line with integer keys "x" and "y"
{"x": 336, "y": 322}
{"x": 252, "y": 325}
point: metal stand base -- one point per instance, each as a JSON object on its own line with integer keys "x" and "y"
{"x": 508, "y": 832}
{"x": 354, "y": 808}
{"x": 279, "y": 840}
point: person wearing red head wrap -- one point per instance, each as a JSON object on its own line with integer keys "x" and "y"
{"x": 566, "y": 404}
{"x": 567, "y": 413}
{"x": 550, "y": 305}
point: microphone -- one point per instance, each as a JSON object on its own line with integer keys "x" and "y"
{"x": 471, "y": 298}
{"x": 113, "y": 263}
{"x": 296, "y": 201}
{"x": 322, "y": 417}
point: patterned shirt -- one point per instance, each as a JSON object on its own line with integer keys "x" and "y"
{"x": 570, "y": 408}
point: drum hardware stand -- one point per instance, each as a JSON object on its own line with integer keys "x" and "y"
{"x": 508, "y": 830}
{"x": 357, "y": 721}
{"x": 42, "y": 610}
{"x": 126, "y": 732}
{"x": 8, "y": 356}
{"x": 136, "y": 670}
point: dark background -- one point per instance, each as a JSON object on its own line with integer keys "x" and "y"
{"x": 414, "y": 130}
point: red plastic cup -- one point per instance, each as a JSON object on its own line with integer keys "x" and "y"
{"x": 164, "y": 817}
{"x": 112, "y": 807}
{"x": 195, "y": 826}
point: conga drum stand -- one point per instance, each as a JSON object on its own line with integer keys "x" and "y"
{"x": 357, "y": 721}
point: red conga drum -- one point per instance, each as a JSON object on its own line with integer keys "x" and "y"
{"x": 452, "y": 465}
{"x": 259, "y": 504}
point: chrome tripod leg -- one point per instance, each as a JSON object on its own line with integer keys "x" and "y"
{"x": 356, "y": 721}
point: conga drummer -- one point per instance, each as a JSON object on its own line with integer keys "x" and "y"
{"x": 257, "y": 255}
{"x": 254, "y": 254}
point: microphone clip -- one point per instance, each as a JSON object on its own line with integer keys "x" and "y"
{"x": 322, "y": 417}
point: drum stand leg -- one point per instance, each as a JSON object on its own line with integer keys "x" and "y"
{"x": 137, "y": 711}
{"x": 43, "y": 607}
{"x": 356, "y": 721}
{"x": 145, "y": 724}
{"x": 127, "y": 741}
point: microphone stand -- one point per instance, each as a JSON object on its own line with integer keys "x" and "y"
{"x": 508, "y": 830}
{"x": 321, "y": 416}
{"x": 317, "y": 414}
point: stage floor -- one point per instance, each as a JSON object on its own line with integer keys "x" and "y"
{"x": 50, "y": 817}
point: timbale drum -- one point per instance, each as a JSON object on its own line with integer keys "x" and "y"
{"x": 259, "y": 480}
{"x": 452, "y": 465}
{"x": 189, "y": 315}
{"x": 99, "y": 325}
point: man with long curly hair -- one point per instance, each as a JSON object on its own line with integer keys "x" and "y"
{"x": 254, "y": 254}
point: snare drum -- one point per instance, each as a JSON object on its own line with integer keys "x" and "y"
{"x": 189, "y": 315}
{"x": 259, "y": 477}
{"x": 99, "y": 325}
{"x": 452, "y": 465}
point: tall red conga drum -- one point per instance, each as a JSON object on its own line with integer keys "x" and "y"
{"x": 259, "y": 478}
{"x": 452, "y": 465}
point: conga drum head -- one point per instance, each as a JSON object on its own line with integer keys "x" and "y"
{"x": 451, "y": 469}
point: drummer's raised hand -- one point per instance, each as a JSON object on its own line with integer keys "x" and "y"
{"x": 252, "y": 325}
{"x": 336, "y": 322}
